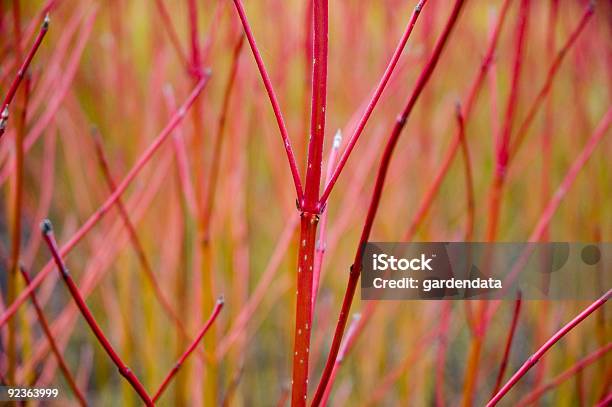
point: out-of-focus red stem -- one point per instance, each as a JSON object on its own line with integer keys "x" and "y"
{"x": 190, "y": 349}
{"x": 473, "y": 92}
{"x": 273, "y": 100}
{"x": 135, "y": 240}
{"x": 502, "y": 144}
{"x": 509, "y": 339}
{"x": 571, "y": 175}
{"x": 557, "y": 380}
{"x": 52, "y": 344}
{"x": 533, "y": 359}
{"x": 47, "y": 231}
{"x": 355, "y": 269}
{"x": 196, "y": 59}
{"x": 4, "y": 111}
{"x": 329, "y": 185}
{"x": 321, "y": 241}
{"x": 175, "y": 120}
{"x": 550, "y": 76}
{"x": 555, "y": 201}
{"x": 169, "y": 27}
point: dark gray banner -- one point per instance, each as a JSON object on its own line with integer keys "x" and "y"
{"x": 466, "y": 271}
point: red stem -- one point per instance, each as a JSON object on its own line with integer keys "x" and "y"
{"x": 575, "y": 369}
{"x": 502, "y": 144}
{"x": 474, "y": 90}
{"x": 176, "y": 43}
{"x": 552, "y": 71}
{"x": 467, "y": 165}
{"x": 4, "y": 111}
{"x": 196, "y": 59}
{"x": 273, "y": 100}
{"x": 134, "y": 239}
{"x": 533, "y": 359}
{"x": 52, "y": 344}
{"x": 47, "y": 232}
{"x": 346, "y": 345}
{"x": 504, "y": 362}
{"x": 175, "y": 120}
{"x": 375, "y": 97}
{"x": 355, "y": 269}
{"x": 190, "y": 349}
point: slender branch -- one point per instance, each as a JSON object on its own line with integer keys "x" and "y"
{"x": 533, "y": 359}
{"x": 469, "y": 182}
{"x": 355, "y": 269}
{"x": 557, "y": 380}
{"x": 555, "y": 201}
{"x": 372, "y": 104}
{"x": 134, "y": 239}
{"x": 550, "y": 76}
{"x": 20, "y": 74}
{"x": 310, "y": 206}
{"x": 510, "y": 338}
{"x": 318, "y": 107}
{"x": 52, "y": 344}
{"x": 472, "y": 95}
{"x": 273, "y": 100}
{"x": 169, "y": 27}
{"x": 502, "y": 144}
{"x": 218, "y": 142}
{"x": 346, "y": 345}
{"x": 174, "y": 121}
{"x": 321, "y": 241}
{"x": 190, "y": 349}
{"x": 47, "y": 232}
{"x": 196, "y": 58}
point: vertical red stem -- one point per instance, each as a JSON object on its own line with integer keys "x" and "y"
{"x": 310, "y": 206}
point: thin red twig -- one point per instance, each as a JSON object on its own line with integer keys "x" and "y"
{"x": 550, "y": 76}
{"x": 174, "y": 121}
{"x": 4, "y": 111}
{"x": 573, "y": 370}
{"x": 355, "y": 269}
{"x": 372, "y": 104}
{"x": 47, "y": 231}
{"x": 190, "y": 349}
{"x": 273, "y": 100}
{"x": 533, "y": 359}
{"x": 510, "y": 338}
